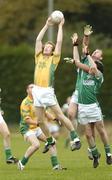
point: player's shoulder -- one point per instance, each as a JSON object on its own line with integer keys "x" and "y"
{"x": 99, "y": 76}
{"x": 26, "y": 101}
{"x": 56, "y": 54}
{"x": 38, "y": 55}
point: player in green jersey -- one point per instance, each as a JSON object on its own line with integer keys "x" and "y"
{"x": 89, "y": 112}
{"x": 90, "y": 78}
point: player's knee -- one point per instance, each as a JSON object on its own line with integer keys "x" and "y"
{"x": 60, "y": 116}
{"x": 70, "y": 115}
{"x": 88, "y": 135}
{"x": 6, "y": 134}
{"x": 36, "y": 145}
{"x": 102, "y": 131}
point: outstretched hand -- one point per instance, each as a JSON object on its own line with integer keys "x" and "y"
{"x": 68, "y": 60}
{"x": 49, "y": 21}
{"x": 62, "y": 21}
{"x": 88, "y": 30}
{"x": 74, "y": 38}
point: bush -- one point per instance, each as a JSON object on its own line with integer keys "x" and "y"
{"x": 16, "y": 72}
{"x": 17, "y": 67}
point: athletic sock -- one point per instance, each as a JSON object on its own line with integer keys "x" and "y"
{"x": 50, "y": 140}
{"x": 94, "y": 151}
{"x": 24, "y": 161}
{"x": 107, "y": 149}
{"x": 8, "y": 153}
{"x": 73, "y": 135}
{"x": 54, "y": 161}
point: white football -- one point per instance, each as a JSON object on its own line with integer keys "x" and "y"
{"x": 57, "y": 16}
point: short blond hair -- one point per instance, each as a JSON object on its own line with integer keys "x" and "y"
{"x": 50, "y": 42}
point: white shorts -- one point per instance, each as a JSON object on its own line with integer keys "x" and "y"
{"x": 37, "y": 132}
{"x": 1, "y": 118}
{"x": 52, "y": 127}
{"x": 44, "y": 97}
{"x": 74, "y": 98}
{"x": 89, "y": 113}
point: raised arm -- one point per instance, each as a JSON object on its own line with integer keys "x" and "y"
{"x": 87, "y": 32}
{"x": 59, "y": 37}
{"x": 38, "y": 45}
{"x": 93, "y": 67}
{"x": 75, "y": 47}
{"x": 76, "y": 54}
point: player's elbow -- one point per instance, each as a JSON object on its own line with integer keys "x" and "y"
{"x": 77, "y": 62}
{"x": 93, "y": 70}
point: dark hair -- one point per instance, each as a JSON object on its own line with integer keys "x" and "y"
{"x": 100, "y": 66}
{"x": 27, "y": 87}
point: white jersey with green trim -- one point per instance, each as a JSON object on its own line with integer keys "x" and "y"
{"x": 88, "y": 85}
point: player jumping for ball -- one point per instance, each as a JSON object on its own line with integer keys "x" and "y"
{"x": 47, "y": 58}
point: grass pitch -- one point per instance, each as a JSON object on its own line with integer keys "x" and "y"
{"x": 79, "y": 167}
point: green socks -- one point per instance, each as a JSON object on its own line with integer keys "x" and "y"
{"x": 94, "y": 151}
{"x": 24, "y": 161}
{"x": 8, "y": 153}
{"x": 50, "y": 140}
{"x": 73, "y": 135}
{"x": 54, "y": 161}
{"x": 107, "y": 149}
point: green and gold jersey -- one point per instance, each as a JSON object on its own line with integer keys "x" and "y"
{"x": 88, "y": 86}
{"x": 44, "y": 69}
{"x": 27, "y": 110}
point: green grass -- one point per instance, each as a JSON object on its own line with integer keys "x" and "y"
{"x": 39, "y": 167}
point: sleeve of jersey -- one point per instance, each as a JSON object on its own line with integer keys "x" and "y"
{"x": 99, "y": 77}
{"x": 25, "y": 111}
{"x": 56, "y": 58}
{"x": 83, "y": 57}
{"x": 37, "y": 57}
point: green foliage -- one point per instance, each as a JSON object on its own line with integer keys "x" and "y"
{"x": 17, "y": 67}
{"x": 106, "y": 93}
{"x": 21, "y": 20}
{"x": 16, "y": 72}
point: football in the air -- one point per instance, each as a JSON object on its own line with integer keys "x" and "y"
{"x": 57, "y": 16}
